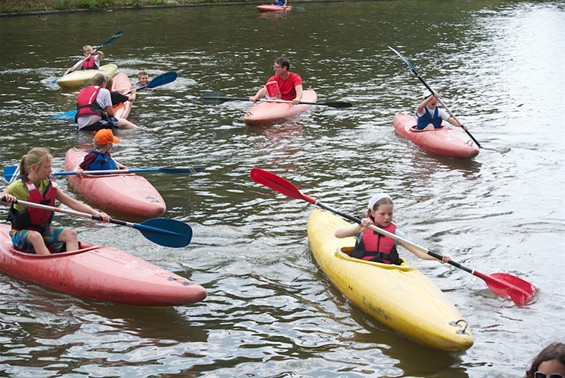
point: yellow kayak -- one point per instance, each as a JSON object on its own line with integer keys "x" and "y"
{"x": 82, "y": 78}
{"x": 400, "y": 297}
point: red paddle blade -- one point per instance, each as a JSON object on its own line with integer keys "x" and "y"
{"x": 508, "y": 286}
{"x": 279, "y": 184}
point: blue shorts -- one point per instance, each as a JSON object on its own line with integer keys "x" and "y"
{"x": 50, "y": 236}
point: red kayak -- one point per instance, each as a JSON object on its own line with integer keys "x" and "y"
{"x": 444, "y": 141}
{"x": 101, "y": 273}
{"x": 267, "y": 112}
{"x": 273, "y": 8}
{"x": 122, "y": 84}
{"x": 127, "y": 194}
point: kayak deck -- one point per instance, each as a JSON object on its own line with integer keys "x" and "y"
{"x": 273, "y": 8}
{"x": 100, "y": 273}
{"x": 444, "y": 141}
{"x": 81, "y": 78}
{"x": 128, "y": 194}
{"x": 122, "y": 84}
{"x": 267, "y": 112}
{"x": 399, "y": 297}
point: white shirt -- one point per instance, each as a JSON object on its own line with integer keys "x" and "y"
{"x": 103, "y": 99}
{"x": 441, "y": 113}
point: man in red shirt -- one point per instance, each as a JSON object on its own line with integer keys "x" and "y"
{"x": 289, "y": 83}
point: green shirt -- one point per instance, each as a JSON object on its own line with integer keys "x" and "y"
{"x": 19, "y": 190}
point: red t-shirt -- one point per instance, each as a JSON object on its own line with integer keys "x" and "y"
{"x": 287, "y": 86}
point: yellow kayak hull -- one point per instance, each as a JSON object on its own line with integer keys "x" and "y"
{"x": 399, "y": 297}
{"x": 82, "y": 78}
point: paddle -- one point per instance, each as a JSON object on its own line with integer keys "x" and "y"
{"x": 431, "y": 91}
{"x": 11, "y": 171}
{"x": 216, "y": 98}
{"x": 502, "y": 284}
{"x": 110, "y": 40}
{"x": 166, "y": 78}
{"x": 163, "y": 231}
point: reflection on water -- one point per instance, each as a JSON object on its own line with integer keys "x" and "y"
{"x": 269, "y": 310}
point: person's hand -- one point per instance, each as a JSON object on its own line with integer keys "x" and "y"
{"x": 6, "y": 197}
{"x": 445, "y": 259}
{"x": 296, "y": 101}
{"x": 253, "y": 99}
{"x": 105, "y": 217}
{"x": 80, "y": 172}
{"x": 366, "y": 222}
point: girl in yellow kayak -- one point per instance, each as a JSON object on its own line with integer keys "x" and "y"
{"x": 373, "y": 246}
{"x": 31, "y": 227}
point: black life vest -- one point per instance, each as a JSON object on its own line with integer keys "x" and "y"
{"x": 373, "y": 246}
{"x": 32, "y": 218}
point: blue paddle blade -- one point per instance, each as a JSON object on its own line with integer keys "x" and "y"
{"x": 166, "y": 232}
{"x": 111, "y": 39}
{"x": 9, "y": 172}
{"x": 70, "y": 115}
{"x": 163, "y": 79}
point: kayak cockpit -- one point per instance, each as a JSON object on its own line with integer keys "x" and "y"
{"x": 345, "y": 253}
{"x": 85, "y": 248}
{"x": 415, "y": 130}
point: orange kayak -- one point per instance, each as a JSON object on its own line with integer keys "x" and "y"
{"x": 122, "y": 84}
{"x": 267, "y": 112}
{"x": 273, "y": 8}
{"x": 101, "y": 273}
{"x": 444, "y": 141}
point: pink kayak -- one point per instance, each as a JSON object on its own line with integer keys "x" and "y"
{"x": 122, "y": 84}
{"x": 267, "y": 112}
{"x": 101, "y": 273}
{"x": 273, "y": 8}
{"x": 123, "y": 193}
{"x": 444, "y": 141}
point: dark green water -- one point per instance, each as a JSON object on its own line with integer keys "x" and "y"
{"x": 270, "y": 311}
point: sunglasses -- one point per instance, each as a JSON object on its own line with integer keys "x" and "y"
{"x": 539, "y": 374}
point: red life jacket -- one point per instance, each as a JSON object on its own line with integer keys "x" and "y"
{"x": 86, "y": 102}
{"x": 373, "y": 246}
{"x": 89, "y": 64}
{"x": 32, "y": 218}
